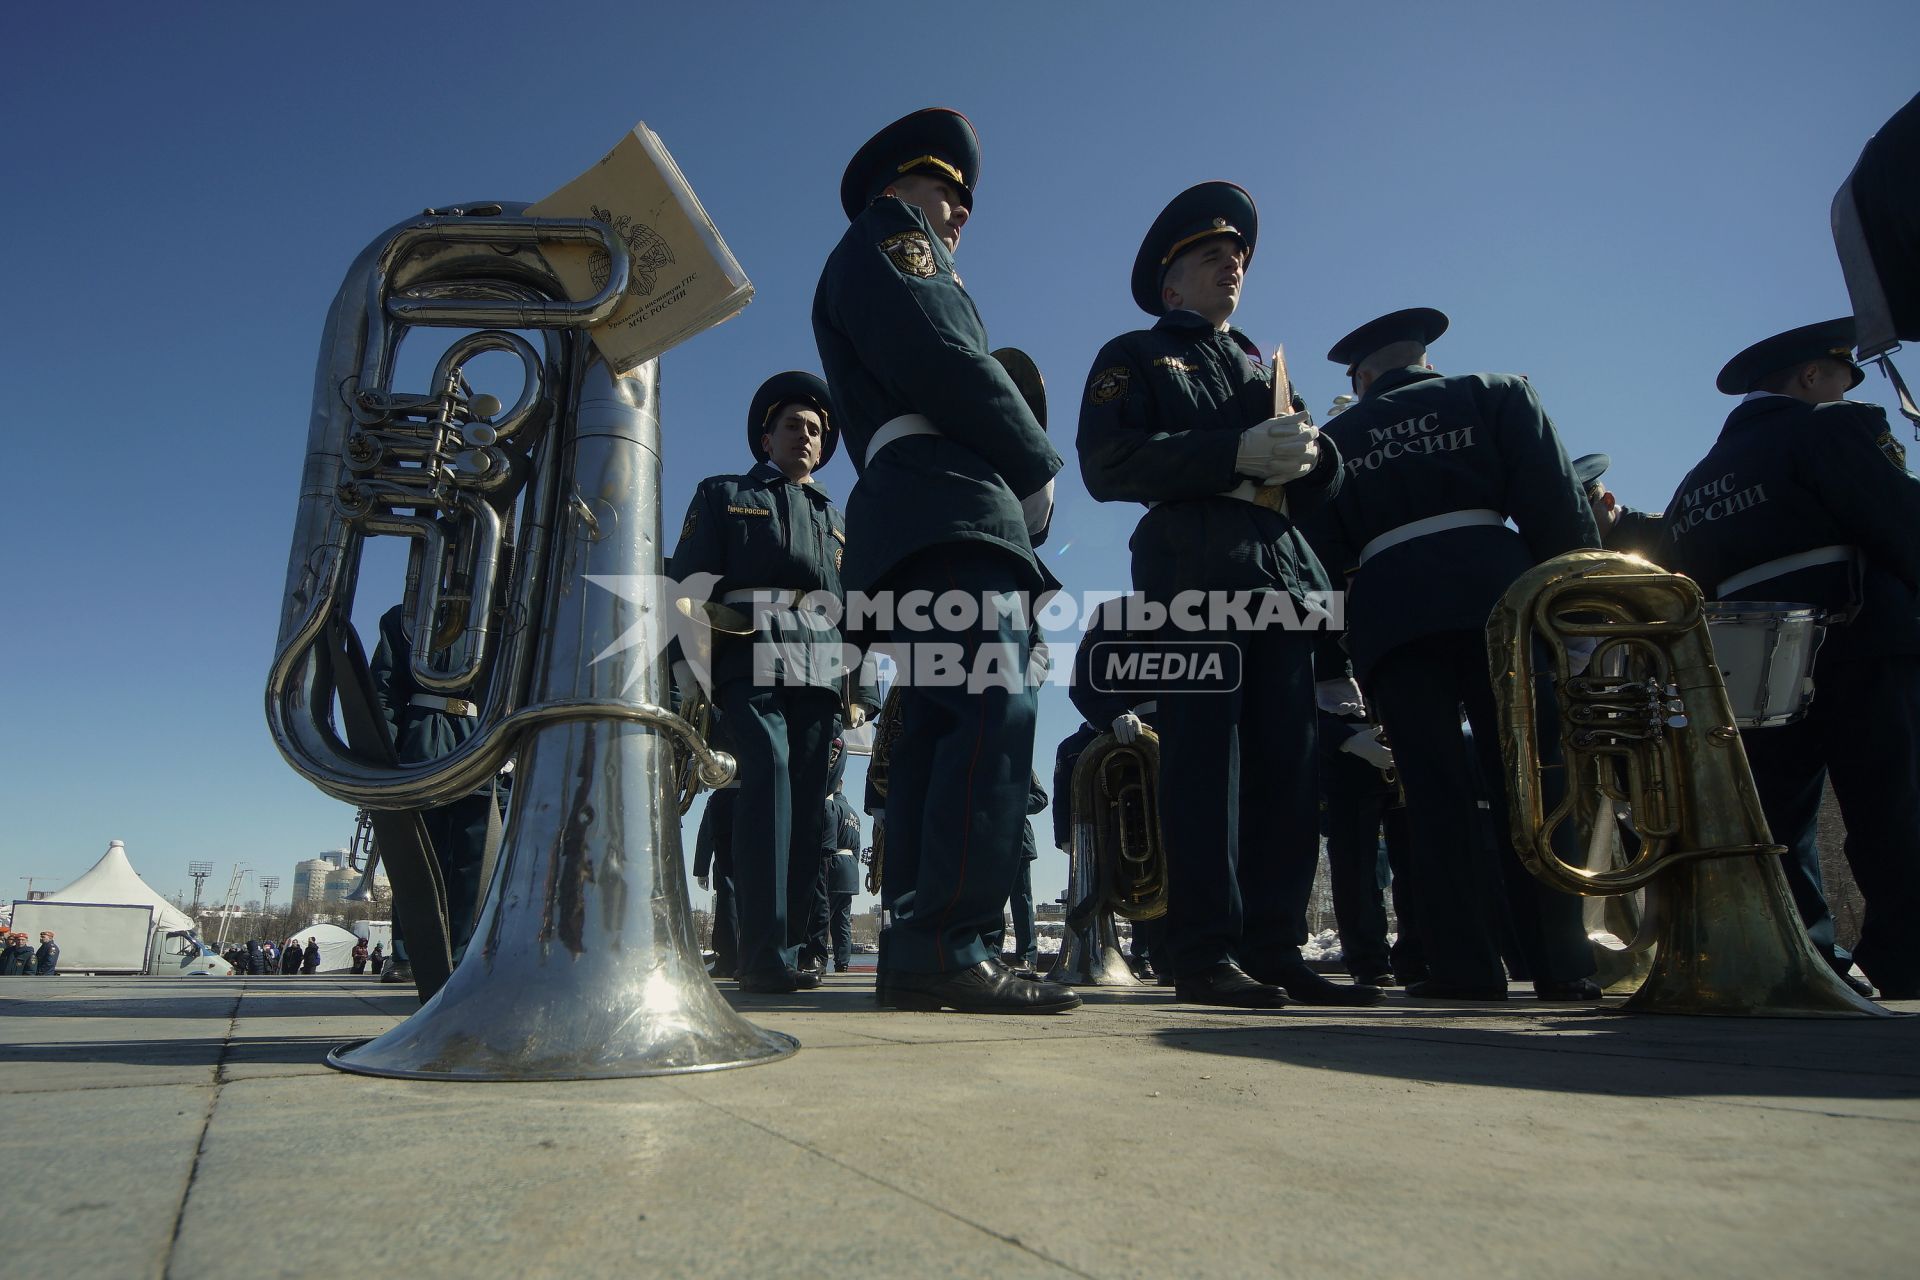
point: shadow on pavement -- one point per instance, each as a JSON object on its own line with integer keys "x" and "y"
{"x": 1600, "y": 1053}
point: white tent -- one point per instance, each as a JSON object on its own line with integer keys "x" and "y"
{"x": 113, "y": 881}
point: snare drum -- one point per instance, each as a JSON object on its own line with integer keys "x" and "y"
{"x": 1765, "y": 654}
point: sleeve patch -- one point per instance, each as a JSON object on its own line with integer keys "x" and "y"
{"x": 1895, "y": 451}
{"x": 911, "y": 254}
{"x": 1108, "y": 385}
{"x": 693, "y": 518}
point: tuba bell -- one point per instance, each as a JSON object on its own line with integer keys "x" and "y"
{"x": 1648, "y": 725}
{"x": 583, "y": 963}
{"x": 1119, "y": 864}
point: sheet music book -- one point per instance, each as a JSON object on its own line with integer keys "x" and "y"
{"x": 682, "y": 277}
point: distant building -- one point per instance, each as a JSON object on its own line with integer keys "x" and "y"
{"x": 328, "y": 878}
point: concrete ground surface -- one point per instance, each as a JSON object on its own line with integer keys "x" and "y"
{"x": 190, "y": 1128}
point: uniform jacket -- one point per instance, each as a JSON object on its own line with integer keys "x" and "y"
{"x": 46, "y": 960}
{"x": 762, "y": 530}
{"x": 1786, "y": 477}
{"x": 1065, "y": 757}
{"x": 419, "y": 733}
{"x": 898, "y": 334}
{"x": 1160, "y": 423}
{"x": 1419, "y": 445}
{"x": 713, "y": 846}
{"x": 1036, "y": 801}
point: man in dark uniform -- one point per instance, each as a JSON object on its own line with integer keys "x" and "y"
{"x": 817, "y": 947}
{"x": 1181, "y": 417}
{"x": 713, "y": 867}
{"x": 1634, "y": 533}
{"x": 774, "y": 539}
{"x": 426, "y": 726}
{"x": 1805, "y": 498}
{"x": 841, "y": 832}
{"x": 1436, "y": 466}
{"x": 46, "y": 960}
{"x": 956, "y": 488}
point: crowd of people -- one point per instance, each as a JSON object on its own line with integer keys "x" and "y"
{"x": 19, "y": 957}
{"x": 263, "y": 956}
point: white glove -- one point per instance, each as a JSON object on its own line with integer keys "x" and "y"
{"x": 1278, "y": 450}
{"x": 1367, "y": 745}
{"x": 1580, "y": 653}
{"x": 703, "y": 882}
{"x": 1126, "y": 728}
{"x": 856, "y": 715}
{"x": 1339, "y": 697}
{"x": 1037, "y": 508}
{"x": 683, "y": 682}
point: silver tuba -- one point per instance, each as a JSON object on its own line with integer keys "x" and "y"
{"x": 535, "y": 567}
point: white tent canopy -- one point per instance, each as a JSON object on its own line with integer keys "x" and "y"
{"x": 113, "y": 881}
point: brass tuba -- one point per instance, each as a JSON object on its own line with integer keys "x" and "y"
{"x": 1648, "y": 724}
{"x": 583, "y": 962}
{"x": 1119, "y": 864}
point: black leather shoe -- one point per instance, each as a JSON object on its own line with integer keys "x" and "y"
{"x": 1862, "y": 987}
{"x": 779, "y": 982}
{"x": 1578, "y": 989}
{"x": 987, "y": 987}
{"x": 839, "y": 968}
{"x": 1372, "y": 977}
{"x": 1227, "y": 984}
{"x": 1435, "y": 989}
{"x": 1308, "y": 987}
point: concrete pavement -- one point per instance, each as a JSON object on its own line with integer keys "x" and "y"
{"x": 189, "y": 1128}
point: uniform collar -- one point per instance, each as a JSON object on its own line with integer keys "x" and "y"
{"x": 1181, "y": 318}
{"x": 1395, "y": 378}
{"x": 767, "y": 473}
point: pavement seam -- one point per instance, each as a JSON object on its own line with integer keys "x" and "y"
{"x": 868, "y": 1176}
{"x": 206, "y": 1127}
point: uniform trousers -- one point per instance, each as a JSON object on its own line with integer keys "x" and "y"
{"x": 818, "y": 942}
{"x": 781, "y": 735}
{"x": 841, "y": 929}
{"x": 726, "y": 927}
{"x": 1020, "y": 906}
{"x": 959, "y": 774}
{"x": 459, "y": 835}
{"x": 1358, "y": 796}
{"x": 1239, "y": 809}
{"x": 1419, "y": 690}
{"x": 1863, "y": 732}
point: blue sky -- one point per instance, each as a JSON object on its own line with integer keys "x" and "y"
{"x": 1611, "y": 199}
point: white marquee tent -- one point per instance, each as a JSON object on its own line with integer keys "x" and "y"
{"x": 113, "y": 881}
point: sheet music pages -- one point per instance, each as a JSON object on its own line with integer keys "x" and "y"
{"x": 682, "y": 277}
